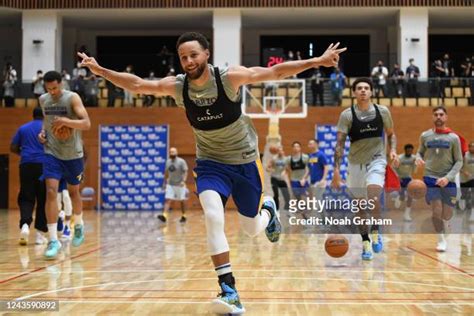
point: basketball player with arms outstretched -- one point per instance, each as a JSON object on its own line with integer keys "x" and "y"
{"x": 226, "y": 140}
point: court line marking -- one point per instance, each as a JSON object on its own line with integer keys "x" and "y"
{"x": 241, "y": 278}
{"x": 249, "y": 270}
{"x": 47, "y": 266}
{"x": 275, "y": 303}
{"x": 257, "y": 291}
{"x": 208, "y": 298}
{"x": 440, "y": 261}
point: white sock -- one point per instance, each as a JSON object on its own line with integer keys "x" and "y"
{"x": 68, "y": 223}
{"x": 223, "y": 269}
{"x": 407, "y": 209}
{"x": 52, "y": 230}
{"x": 78, "y": 219}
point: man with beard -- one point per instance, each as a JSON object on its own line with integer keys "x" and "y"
{"x": 226, "y": 140}
{"x": 440, "y": 153}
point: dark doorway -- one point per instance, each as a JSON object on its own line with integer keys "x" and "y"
{"x": 354, "y": 62}
{"x": 3, "y": 181}
{"x": 459, "y": 47}
{"x": 144, "y": 53}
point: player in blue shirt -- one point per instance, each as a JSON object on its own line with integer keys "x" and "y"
{"x": 25, "y": 143}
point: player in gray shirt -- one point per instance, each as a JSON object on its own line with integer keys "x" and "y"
{"x": 365, "y": 123}
{"x": 440, "y": 154}
{"x": 176, "y": 173}
{"x": 467, "y": 179}
{"x": 279, "y": 178}
{"x": 228, "y": 159}
{"x": 63, "y": 157}
{"x": 405, "y": 170}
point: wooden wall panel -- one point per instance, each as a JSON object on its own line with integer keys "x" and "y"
{"x": 409, "y": 123}
{"x": 128, "y": 4}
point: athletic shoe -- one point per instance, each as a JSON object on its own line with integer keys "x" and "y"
{"x": 78, "y": 235}
{"x": 442, "y": 245}
{"x": 53, "y": 248}
{"x": 397, "y": 202}
{"x": 40, "y": 239}
{"x": 162, "y": 218}
{"x": 182, "y": 219}
{"x": 273, "y": 229}
{"x": 406, "y": 215}
{"x": 66, "y": 233}
{"x": 61, "y": 221}
{"x": 25, "y": 232}
{"x": 228, "y": 301}
{"x": 366, "y": 251}
{"x": 377, "y": 242}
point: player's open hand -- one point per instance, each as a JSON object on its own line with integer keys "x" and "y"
{"x": 90, "y": 63}
{"x": 330, "y": 58}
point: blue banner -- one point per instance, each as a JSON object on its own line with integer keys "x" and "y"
{"x": 133, "y": 159}
{"x": 327, "y": 136}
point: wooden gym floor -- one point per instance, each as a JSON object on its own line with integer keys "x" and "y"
{"x": 130, "y": 264}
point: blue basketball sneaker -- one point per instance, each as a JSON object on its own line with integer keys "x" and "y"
{"x": 377, "y": 242}
{"x": 228, "y": 301}
{"x": 366, "y": 251}
{"x": 61, "y": 221}
{"x": 78, "y": 235}
{"x": 273, "y": 229}
{"x": 66, "y": 233}
{"x": 52, "y": 250}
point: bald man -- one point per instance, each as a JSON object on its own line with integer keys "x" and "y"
{"x": 176, "y": 173}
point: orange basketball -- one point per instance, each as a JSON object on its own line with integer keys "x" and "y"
{"x": 336, "y": 246}
{"x": 416, "y": 189}
{"x": 62, "y": 133}
{"x": 274, "y": 149}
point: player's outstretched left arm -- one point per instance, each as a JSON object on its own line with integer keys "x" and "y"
{"x": 82, "y": 123}
{"x": 240, "y": 75}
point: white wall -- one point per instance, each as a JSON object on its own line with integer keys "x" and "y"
{"x": 227, "y": 39}
{"x": 413, "y": 23}
{"x": 45, "y": 26}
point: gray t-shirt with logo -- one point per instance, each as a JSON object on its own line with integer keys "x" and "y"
{"x": 234, "y": 144}
{"x": 441, "y": 153}
{"x": 468, "y": 166}
{"x": 70, "y": 148}
{"x": 407, "y": 166}
{"x": 279, "y": 165}
{"x": 176, "y": 169}
{"x": 364, "y": 151}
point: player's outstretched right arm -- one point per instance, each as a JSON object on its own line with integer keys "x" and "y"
{"x": 130, "y": 82}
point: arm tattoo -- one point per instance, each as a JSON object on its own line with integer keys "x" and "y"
{"x": 339, "y": 150}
